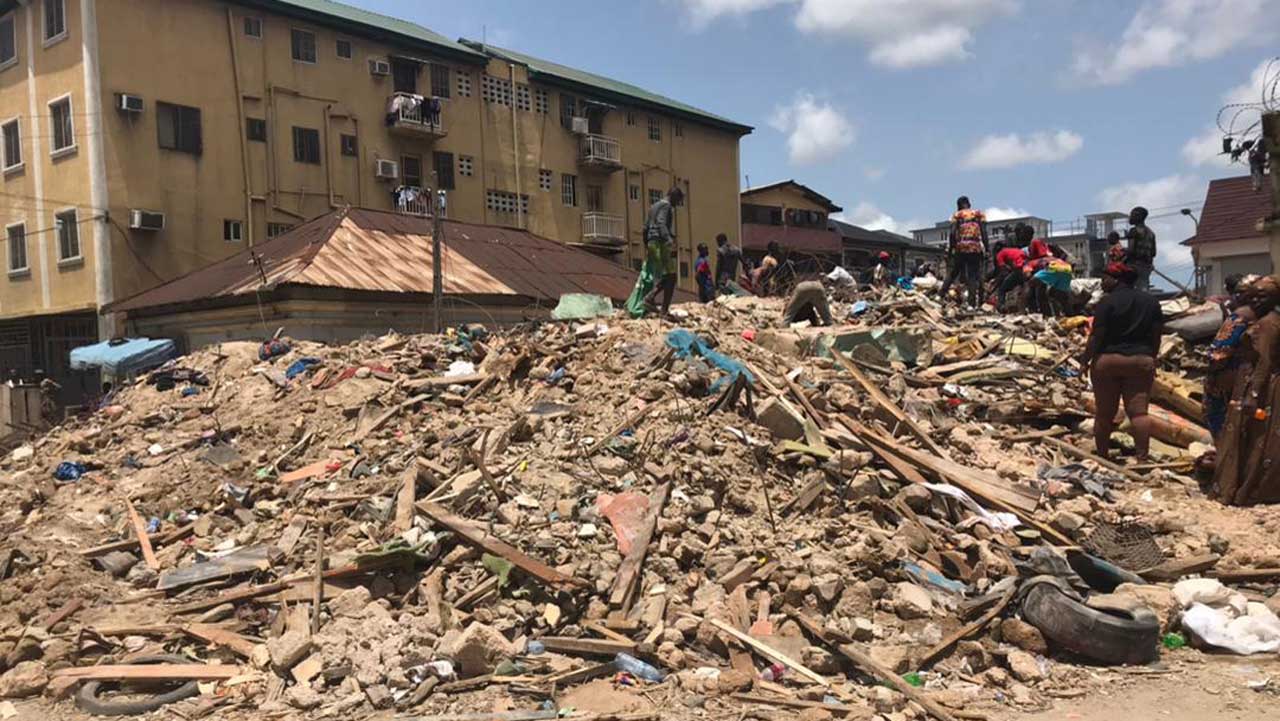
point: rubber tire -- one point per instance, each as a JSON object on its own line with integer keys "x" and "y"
{"x": 87, "y": 697}
{"x": 1093, "y": 634}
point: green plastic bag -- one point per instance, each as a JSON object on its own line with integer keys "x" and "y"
{"x": 644, "y": 283}
{"x": 581, "y": 306}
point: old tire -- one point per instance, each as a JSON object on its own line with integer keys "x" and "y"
{"x": 1128, "y": 639}
{"x": 87, "y": 697}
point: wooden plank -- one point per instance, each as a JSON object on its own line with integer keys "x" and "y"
{"x": 624, "y": 584}
{"x": 157, "y": 539}
{"x": 630, "y": 421}
{"x": 1080, "y": 453}
{"x": 588, "y": 646}
{"x": 245, "y": 594}
{"x": 1245, "y": 575}
{"x": 385, "y": 416}
{"x": 945, "y": 644}
{"x": 901, "y": 468}
{"x": 798, "y": 392}
{"x": 219, "y": 636}
{"x": 405, "y": 499}
{"x": 480, "y": 538}
{"x": 150, "y": 672}
{"x": 605, "y": 631}
{"x": 887, "y": 404}
{"x": 1176, "y": 569}
{"x": 305, "y": 473}
{"x": 446, "y": 381}
{"x": 144, "y": 540}
{"x": 63, "y": 613}
{"x": 770, "y": 653}
{"x": 582, "y": 674}
{"x": 796, "y": 703}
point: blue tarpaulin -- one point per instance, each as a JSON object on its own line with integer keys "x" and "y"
{"x": 685, "y": 343}
{"x": 125, "y": 359}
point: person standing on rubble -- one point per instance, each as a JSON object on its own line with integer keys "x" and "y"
{"x": 966, "y": 249}
{"x": 1008, "y": 271}
{"x": 660, "y": 236}
{"x": 1120, "y": 357}
{"x": 1247, "y": 471}
{"x": 1141, "y": 253}
{"x": 880, "y": 274}
{"x": 728, "y": 259}
{"x": 702, "y": 274}
{"x": 1224, "y": 360}
{"x": 808, "y": 302}
{"x": 763, "y": 274}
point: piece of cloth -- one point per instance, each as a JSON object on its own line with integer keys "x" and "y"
{"x": 1056, "y": 275}
{"x": 664, "y": 261}
{"x": 1117, "y": 253}
{"x": 1129, "y": 318}
{"x": 1011, "y": 258}
{"x": 808, "y": 302}
{"x": 650, "y": 272}
{"x": 660, "y": 223}
{"x": 968, "y": 224}
{"x": 1038, "y": 249}
{"x": 728, "y": 259}
{"x": 1248, "y": 464}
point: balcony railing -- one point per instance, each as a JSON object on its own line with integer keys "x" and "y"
{"x": 600, "y": 151}
{"x": 415, "y": 114}
{"x": 602, "y": 229}
{"x": 412, "y": 200}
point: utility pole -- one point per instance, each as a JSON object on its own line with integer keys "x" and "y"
{"x": 1271, "y": 138}
{"x": 437, "y": 269}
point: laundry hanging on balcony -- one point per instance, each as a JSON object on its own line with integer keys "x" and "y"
{"x": 402, "y": 104}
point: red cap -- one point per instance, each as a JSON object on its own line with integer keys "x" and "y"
{"x": 884, "y": 255}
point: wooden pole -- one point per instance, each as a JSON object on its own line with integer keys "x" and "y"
{"x": 1271, "y": 137}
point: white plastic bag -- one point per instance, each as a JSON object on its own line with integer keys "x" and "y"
{"x": 1243, "y": 635}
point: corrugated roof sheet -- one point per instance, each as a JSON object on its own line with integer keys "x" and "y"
{"x": 1232, "y": 209}
{"x": 804, "y": 240}
{"x": 377, "y": 251}
{"x": 808, "y": 192}
{"x": 377, "y": 21}
{"x": 538, "y": 66}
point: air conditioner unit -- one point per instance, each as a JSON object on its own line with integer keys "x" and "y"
{"x": 145, "y": 220}
{"x": 379, "y": 67}
{"x": 386, "y": 169}
{"x": 580, "y": 126}
{"x": 129, "y": 103}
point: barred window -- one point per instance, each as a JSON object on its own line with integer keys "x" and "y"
{"x": 464, "y": 84}
{"x": 523, "y": 101}
{"x": 495, "y": 90}
{"x": 541, "y": 101}
{"x": 466, "y": 165}
{"x": 501, "y": 201}
{"x": 544, "y": 179}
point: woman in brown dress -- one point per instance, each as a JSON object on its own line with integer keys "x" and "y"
{"x": 1248, "y": 470}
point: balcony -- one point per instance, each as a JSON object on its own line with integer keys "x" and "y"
{"x": 409, "y": 114}
{"x": 411, "y": 200}
{"x": 602, "y": 229}
{"x": 600, "y": 152}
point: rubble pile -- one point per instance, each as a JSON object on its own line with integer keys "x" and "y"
{"x": 895, "y": 517}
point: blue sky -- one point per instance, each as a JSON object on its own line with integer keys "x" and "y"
{"x": 895, "y": 107}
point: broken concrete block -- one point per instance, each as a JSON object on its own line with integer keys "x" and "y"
{"x": 1067, "y": 522}
{"x": 1024, "y": 666}
{"x": 478, "y": 650}
{"x": 781, "y": 420}
{"x": 288, "y": 650}
{"x": 733, "y": 680}
{"x": 28, "y": 678}
{"x": 1023, "y": 635}
{"x": 1162, "y": 602}
{"x": 350, "y": 602}
{"x": 897, "y": 658}
{"x": 308, "y": 669}
{"x": 303, "y": 697}
{"x": 828, "y": 586}
{"x": 911, "y": 601}
{"x": 379, "y": 696}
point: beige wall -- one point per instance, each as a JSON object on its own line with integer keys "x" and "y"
{"x": 785, "y": 196}
{"x": 184, "y": 52}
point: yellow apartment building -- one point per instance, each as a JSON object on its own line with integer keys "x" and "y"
{"x": 143, "y": 139}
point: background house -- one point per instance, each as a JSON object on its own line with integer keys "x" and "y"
{"x": 794, "y": 216}
{"x": 1229, "y": 239}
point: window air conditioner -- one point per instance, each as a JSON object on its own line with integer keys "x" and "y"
{"x": 129, "y": 103}
{"x": 379, "y": 67}
{"x": 145, "y": 220}
{"x": 386, "y": 169}
{"x": 580, "y": 126}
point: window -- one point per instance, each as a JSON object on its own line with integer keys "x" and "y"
{"x": 68, "y": 226}
{"x": 495, "y": 90}
{"x": 231, "y": 231}
{"x": 255, "y": 129}
{"x": 541, "y": 101}
{"x": 8, "y": 41}
{"x": 544, "y": 179}
{"x": 569, "y": 190}
{"x": 306, "y": 145}
{"x": 464, "y": 85}
{"x": 677, "y": 129}
{"x": 17, "y": 235}
{"x": 655, "y": 130}
{"x": 524, "y": 99}
{"x": 439, "y": 80}
{"x": 64, "y": 138}
{"x": 631, "y": 117}
{"x": 633, "y": 192}
{"x": 465, "y": 165}
{"x": 55, "y": 19}
{"x": 350, "y": 147}
{"x": 276, "y": 229}
{"x": 304, "y": 46}
{"x": 253, "y": 27}
{"x": 444, "y": 170}
{"x": 12, "y": 144}
{"x": 178, "y": 127}
{"x": 411, "y": 170}
{"x": 654, "y": 196}
{"x": 684, "y": 269}
{"x": 501, "y": 201}
{"x": 343, "y": 49}
{"x": 568, "y": 108}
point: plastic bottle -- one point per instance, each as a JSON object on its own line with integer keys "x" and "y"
{"x": 636, "y": 667}
{"x": 1173, "y": 641}
{"x": 774, "y": 672}
{"x": 535, "y": 648}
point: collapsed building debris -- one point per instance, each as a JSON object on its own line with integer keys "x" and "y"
{"x": 897, "y": 517}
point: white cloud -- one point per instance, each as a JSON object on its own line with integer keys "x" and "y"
{"x": 997, "y": 214}
{"x": 815, "y": 129}
{"x": 874, "y": 173}
{"x": 899, "y": 33}
{"x": 1205, "y": 149}
{"x": 1168, "y": 33}
{"x": 867, "y": 215}
{"x": 1164, "y": 197}
{"x": 1007, "y": 151}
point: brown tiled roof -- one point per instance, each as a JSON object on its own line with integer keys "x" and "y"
{"x": 370, "y": 250}
{"x": 805, "y": 240}
{"x": 1232, "y": 209}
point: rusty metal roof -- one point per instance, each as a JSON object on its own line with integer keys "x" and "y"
{"x": 378, "y": 251}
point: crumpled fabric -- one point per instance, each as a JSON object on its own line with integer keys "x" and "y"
{"x": 68, "y": 471}
{"x": 1256, "y": 632}
{"x": 998, "y": 522}
{"x": 685, "y": 343}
